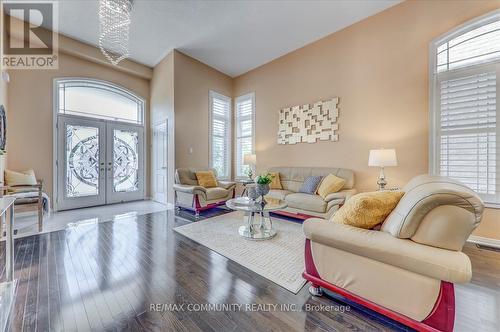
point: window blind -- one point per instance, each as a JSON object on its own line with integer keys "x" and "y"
{"x": 468, "y": 131}
{"x": 220, "y": 134}
{"x": 245, "y": 111}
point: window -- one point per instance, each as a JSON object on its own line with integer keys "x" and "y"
{"x": 465, "y": 135}
{"x": 245, "y": 129}
{"x": 98, "y": 99}
{"x": 220, "y": 134}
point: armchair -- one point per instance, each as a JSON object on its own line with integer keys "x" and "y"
{"x": 189, "y": 195}
{"x": 407, "y": 270}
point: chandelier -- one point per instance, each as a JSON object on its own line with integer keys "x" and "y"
{"x": 114, "y": 23}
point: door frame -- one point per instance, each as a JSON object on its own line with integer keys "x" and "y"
{"x": 55, "y": 143}
{"x": 164, "y": 122}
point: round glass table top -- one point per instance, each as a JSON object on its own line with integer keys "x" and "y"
{"x": 246, "y": 204}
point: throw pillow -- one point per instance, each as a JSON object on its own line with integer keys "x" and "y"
{"x": 13, "y": 178}
{"x": 330, "y": 184}
{"x": 310, "y": 185}
{"x": 206, "y": 179}
{"x": 276, "y": 182}
{"x": 367, "y": 210}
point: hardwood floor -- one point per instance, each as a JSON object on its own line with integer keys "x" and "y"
{"x": 106, "y": 276}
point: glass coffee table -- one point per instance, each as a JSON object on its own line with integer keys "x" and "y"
{"x": 262, "y": 230}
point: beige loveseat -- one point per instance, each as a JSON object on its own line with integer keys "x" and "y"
{"x": 190, "y": 195}
{"x": 407, "y": 269}
{"x": 302, "y": 205}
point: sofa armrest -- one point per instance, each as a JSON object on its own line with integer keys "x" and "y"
{"x": 228, "y": 185}
{"x": 342, "y": 194}
{"x": 190, "y": 189}
{"x": 441, "y": 264}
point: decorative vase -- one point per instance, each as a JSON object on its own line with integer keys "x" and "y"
{"x": 262, "y": 189}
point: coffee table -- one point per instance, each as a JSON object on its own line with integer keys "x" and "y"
{"x": 264, "y": 229}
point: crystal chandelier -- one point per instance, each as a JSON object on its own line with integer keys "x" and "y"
{"x": 114, "y": 22}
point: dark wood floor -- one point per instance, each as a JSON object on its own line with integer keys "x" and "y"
{"x": 104, "y": 277}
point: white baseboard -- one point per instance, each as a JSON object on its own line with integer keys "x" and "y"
{"x": 485, "y": 241}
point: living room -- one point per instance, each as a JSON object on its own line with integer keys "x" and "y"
{"x": 250, "y": 165}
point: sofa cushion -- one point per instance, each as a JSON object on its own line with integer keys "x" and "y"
{"x": 206, "y": 179}
{"x": 310, "y": 184}
{"x": 330, "y": 184}
{"x": 367, "y": 210}
{"x": 216, "y": 193}
{"x": 279, "y": 194}
{"x": 306, "y": 202}
{"x": 276, "y": 181}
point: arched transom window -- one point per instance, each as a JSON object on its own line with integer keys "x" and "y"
{"x": 99, "y": 99}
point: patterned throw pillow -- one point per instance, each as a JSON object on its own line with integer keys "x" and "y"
{"x": 310, "y": 185}
{"x": 367, "y": 210}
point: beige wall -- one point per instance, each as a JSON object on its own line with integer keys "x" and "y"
{"x": 193, "y": 80}
{"x": 162, "y": 109}
{"x": 379, "y": 69}
{"x": 31, "y": 110}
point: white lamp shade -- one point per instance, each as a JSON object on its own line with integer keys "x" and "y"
{"x": 249, "y": 159}
{"x": 383, "y": 158}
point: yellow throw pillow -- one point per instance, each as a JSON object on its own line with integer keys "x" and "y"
{"x": 206, "y": 179}
{"x": 367, "y": 210}
{"x": 330, "y": 184}
{"x": 276, "y": 182}
{"x": 13, "y": 178}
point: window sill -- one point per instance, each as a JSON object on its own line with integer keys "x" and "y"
{"x": 492, "y": 205}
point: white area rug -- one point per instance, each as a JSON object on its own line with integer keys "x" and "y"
{"x": 280, "y": 259}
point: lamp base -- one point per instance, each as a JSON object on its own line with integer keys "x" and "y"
{"x": 381, "y": 180}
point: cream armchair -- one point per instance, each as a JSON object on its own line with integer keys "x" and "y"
{"x": 406, "y": 270}
{"x": 189, "y": 195}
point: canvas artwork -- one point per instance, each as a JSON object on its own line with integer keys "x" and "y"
{"x": 309, "y": 123}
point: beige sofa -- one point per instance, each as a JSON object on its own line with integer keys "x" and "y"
{"x": 190, "y": 195}
{"x": 407, "y": 269}
{"x": 304, "y": 206}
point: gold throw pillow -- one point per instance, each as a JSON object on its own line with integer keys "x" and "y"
{"x": 206, "y": 179}
{"x": 330, "y": 184}
{"x": 367, "y": 210}
{"x": 276, "y": 181}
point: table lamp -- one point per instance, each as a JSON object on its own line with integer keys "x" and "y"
{"x": 250, "y": 160}
{"x": 382, "y": 158}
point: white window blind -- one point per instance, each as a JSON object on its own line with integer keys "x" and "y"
{"x": 245, "y": 128}
{"x": 220, "y": 134}
{"x": 468, "y": 131}
{"x": 465, "y": 135}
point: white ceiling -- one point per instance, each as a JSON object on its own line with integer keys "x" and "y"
{"x": 231, "y": 36}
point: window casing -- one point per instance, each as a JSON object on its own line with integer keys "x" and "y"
{"x": 245, "y": 131}
{"x": 464, "y": 89}
{"x": 220, "y": 134}
{"x": 98, "y": 99}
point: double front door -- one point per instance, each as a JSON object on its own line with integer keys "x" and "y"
{"x": 98, "y": 162}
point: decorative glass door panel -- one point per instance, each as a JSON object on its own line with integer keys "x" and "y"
{"x": 98, "y": 162}
{"x": 125, "y": 161}
{"x": 80, "y": 161}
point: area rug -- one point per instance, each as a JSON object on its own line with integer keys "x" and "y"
{"x": 280, "y": 259}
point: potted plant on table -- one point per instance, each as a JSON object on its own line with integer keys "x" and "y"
{"x": 262, "y": 185}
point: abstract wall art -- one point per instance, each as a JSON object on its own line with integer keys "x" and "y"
{"x": 309, "y": 123}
